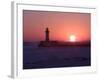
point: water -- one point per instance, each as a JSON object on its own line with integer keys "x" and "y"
{"x": 35, "y": 57}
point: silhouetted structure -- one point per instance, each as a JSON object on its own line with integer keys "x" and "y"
{"x": 50, "y": 43}
{"x": 47, "y": 34}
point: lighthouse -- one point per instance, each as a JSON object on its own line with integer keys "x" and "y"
{"x": 47, "y": 34}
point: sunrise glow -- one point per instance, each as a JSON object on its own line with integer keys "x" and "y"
{"x": 63, "y": 26}
{"x": 72, "y": 38}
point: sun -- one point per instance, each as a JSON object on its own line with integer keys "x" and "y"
{"x": 72, "y": 38}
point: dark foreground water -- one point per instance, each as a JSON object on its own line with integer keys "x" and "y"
{"x": 35, "y": 57}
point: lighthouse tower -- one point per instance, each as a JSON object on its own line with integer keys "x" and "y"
{"x": 47, "y": 34}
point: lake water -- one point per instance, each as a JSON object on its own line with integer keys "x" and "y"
{"x": 35, "y": 57}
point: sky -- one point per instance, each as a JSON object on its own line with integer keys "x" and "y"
{"x": 60, "y": 24}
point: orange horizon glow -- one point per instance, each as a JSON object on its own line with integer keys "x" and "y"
{"x": 60, "y": 24}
